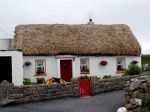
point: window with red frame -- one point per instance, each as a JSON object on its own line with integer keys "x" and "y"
{"x": 84, "y": 66}
{"x": 40, "y": 67}
{"x": 120, "y": 64}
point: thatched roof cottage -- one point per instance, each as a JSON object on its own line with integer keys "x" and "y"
{"x": 66, "y": 51}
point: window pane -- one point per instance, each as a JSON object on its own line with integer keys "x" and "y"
{"x": 84, "y": 65}
{"x": 119, "y": 61}
{"x": 83, "y": 61}
{"x": 39, "y": 63}
{"x": 40, "y": 69}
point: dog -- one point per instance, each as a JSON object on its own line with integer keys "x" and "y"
{"x": 54, "y": 80}
{"x": 59, "y": 80}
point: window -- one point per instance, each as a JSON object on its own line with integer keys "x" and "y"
{"x": 40, "y": 67}
{"x": 120, "y": 64}
{"x": 84, "y": 66}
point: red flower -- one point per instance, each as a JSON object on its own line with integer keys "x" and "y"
{"x": 104, "y": 62}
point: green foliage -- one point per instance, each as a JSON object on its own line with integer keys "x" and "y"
{"x": 146, "y": 104}
{"x": 98, "y": 78}
{"x": 145, "y": 59}
{"x": 125, "y": 74}
{"x": 40, "y": 80}
{"x": 26, "y": 81}
{"x": 84, "y": 77}
{"x": 133, "y": 69}
{"x": 116, "y": 76}
{"x": 148, "y": 68}
{"x": 107, "y": 76}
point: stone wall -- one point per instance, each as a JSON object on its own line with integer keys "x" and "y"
{"x": 29, "y": 93}
{"x": 106, "y": 85}
{"x": 19, "y": 94}
{"x": 137, "y": 90}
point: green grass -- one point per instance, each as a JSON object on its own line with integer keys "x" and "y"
{"x": 145, "y": 59}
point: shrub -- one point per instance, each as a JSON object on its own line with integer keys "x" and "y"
{"x": 148, "y": 68}
{"x": 40, "y": 80}
{"x": 146, "y": 104}
{"x": 107, "y": 76}
{"x": 125, "y": 74}
{"x": 84, "y": 77}
{"x": 134, "y": 62}
{"x": 26, "y": 81}
{"x": 133, "y": 70}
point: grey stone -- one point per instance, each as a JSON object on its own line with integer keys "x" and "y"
{"x": 144, "y": 77}
{"x": 135, "y": 80}
{"x": 148, "y": 89}
{"x": 134, "y": 86}
{"x": 127, "y": 89}
{"x": 134, "y": 94}
{"x": 148, "y": 83}
{"x": 130, "y": 107}
{"x": 141, "y": 95}
{"x": 136, "y": 101}
{"x": 127, "y": 98}
{"x": 144, "y": 86}
{"x": 5, "y": 102}
{"x": 136, "y": 110}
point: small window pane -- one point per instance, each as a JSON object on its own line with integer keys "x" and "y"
{"x": 119, "y": 61}
{"x": 40, "y": 66}
{"x": 40, "y": 69}
{"x": 120, "y": 64}
{"x": 84, "y": 65}
{"x": 83, "y": 61}
{"x": 39, "y": 63}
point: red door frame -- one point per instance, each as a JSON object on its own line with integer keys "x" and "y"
{"x": 66, "y": 73}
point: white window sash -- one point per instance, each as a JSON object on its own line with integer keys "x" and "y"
{"x": 43, "y": 66}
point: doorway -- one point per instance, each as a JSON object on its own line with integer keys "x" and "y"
{"x": 66, "y": 70}
{"x": 6, "y": 69}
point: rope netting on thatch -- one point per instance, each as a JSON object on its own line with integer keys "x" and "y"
{"x": 76, "y": 39}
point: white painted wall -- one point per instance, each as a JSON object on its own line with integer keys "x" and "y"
{"x": 17, "y": 65}
{"x": 6, "y": 43}
{"x": 53, "y": 65}
{"x": 110, "y": 69}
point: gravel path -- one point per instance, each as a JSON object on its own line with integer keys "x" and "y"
{"x": 104, "y": 102}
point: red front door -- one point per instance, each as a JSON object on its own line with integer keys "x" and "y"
{"x": 66, "y": 70}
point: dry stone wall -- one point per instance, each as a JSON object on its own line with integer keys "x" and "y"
{"x": 137, "y": 90}
{"x": 106, "y": 85}
{"x": 29, "y": 93}
{"x": 20, "y": 94}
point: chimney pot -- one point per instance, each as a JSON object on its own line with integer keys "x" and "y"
{"x": 90, "y": 21}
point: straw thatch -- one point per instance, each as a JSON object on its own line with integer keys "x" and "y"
{"x": 76, "y": 39}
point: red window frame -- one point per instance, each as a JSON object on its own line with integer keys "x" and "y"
{"x": 88, "y": 66}
{"x": 121, "y": 71}
{"x": 41, "y": 74}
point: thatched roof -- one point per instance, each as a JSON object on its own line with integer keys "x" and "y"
{"x": 76, "y": 39}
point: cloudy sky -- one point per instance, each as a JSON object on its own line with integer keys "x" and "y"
{"x": 134, "y": 13}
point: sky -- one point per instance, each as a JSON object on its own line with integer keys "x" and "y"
{"x": 134, "y": 13}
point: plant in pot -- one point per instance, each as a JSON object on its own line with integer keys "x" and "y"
{"x": 103, "y": 63}
{"x": 40, "y": 71}
{"x": 84, "y": 77}
{"x": 27, "y": 63}
{"x": 134, "y": 62}
{"x": 85, "y": 70}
